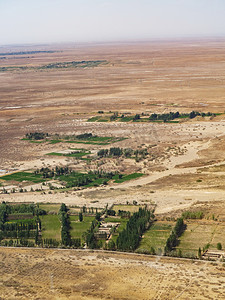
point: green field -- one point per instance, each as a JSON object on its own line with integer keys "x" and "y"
{"x": 128, "y": 177}
{"x": 49, "y": 207}
{"x": 21, "y": 176}
{"x": 79, "y": 228}
{"x": 51, "y": 227}
{"x": 77, "y": 176}
{"x": 155, "y": 237}
{"x": 78, "y": 154}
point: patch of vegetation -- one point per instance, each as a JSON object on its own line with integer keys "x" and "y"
{"x": 154, "y": 239}
{"x": 172, "y": 240}
{"x": 192, "y": 215}
{"x": 36, "y": 135}
{"x": 50, "y": 207}
{"x": 77, "y": 228}
{"x": 126, "y": 208}
{"x": 23, "y": 176}
{"x": 60, "y": 65}
{"x": 75, "y": 179}
{"x": 78, "y": 154}
{"x": 14, "y": 225}
{"x": 125, "y": 152}
{"x": 166, "y": 118}
{"x": 128, "y": 177}
{"x": 26, "y": 52}
{"x": 85, "y": 138}
{"x": 128, "y": 239}
{"x": 51, "y": 227}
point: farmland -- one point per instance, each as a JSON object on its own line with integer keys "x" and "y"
{"x": 154, "y": 239}
{"x": 201, "y": 234}
{"x": 50, "y": 227}
{"x": 98, "y": 129}
{"x": 79, "y": 228}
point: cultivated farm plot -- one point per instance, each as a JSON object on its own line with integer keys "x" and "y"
{"x": 77, "y": 228}
{"x": 23, "y": 176}
{"x": 155, "y": 237}
{"x": 51, "y": 227}
{"x": 73, "y": 153}
{"x": 50, "y": 207}
{"x": 130, "y": 208}
{"x": 218, "y": 237}
{"x": 199, "y": 234}
{"x": 127, "y": 177}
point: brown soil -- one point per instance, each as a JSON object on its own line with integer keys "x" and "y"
{"x": 70, "y": 274}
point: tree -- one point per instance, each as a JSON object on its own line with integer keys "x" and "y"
{"x": 80, "y": 217}
{"x": 136, "y": 117}
{"x": 111, "y": 245}
{"x": 98, "y": 216}
{"x": 219, "y": 246}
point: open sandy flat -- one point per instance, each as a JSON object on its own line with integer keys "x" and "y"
{"x": 70, "y": 274}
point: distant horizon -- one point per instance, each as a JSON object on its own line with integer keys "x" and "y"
{"x": 131, "y": 41}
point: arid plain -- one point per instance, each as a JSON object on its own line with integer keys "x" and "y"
{"x": 184, "y": 168}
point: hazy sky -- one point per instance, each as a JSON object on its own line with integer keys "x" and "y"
{"x": 38, "y": 21}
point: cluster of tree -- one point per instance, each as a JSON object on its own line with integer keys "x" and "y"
{"x": 114, "y": 116}
{"x": 164, "y": 117}
{"x": 25, "y": 229}
{"x": 89, "y": 210}
{"x": 172, "y": 240}
{"x": 129, "y": 238}
{"x": 124, "y": 214}
{"x": 91, "y": 240}
{"x": 136, "y": 117}
{"x": 171, "y": 116}
{"x": 19, "y": 226}
{"x": 110, "y": 212}
{"x": 50, "y": 173}
{"x": 126, "y": 152}
{"x": 110, "y": 246}
{"x": 192, "y": 215}
{"x": 36, "y": 135}
{"x": 85, "y": 179}
{"x": 65, "y": 228}
{"x": 82, "y": 180}
{"x": 115, "y": 151}
{"x": 6, "y": 210}
{"x": 25, "y": 208}
{"x": 70, "y": 64}
{"x": 85, "y": 136}
{"x": 49, "y": 243}
{"x": 17, "y": 243}
{"x": 3, "y": 212}
{"x": 27, "y": 52}
{"x": 27, "y": 234}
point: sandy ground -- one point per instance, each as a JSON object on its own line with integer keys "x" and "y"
{"x": 71, "y": 274}
{"x": 166, "y": 198}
